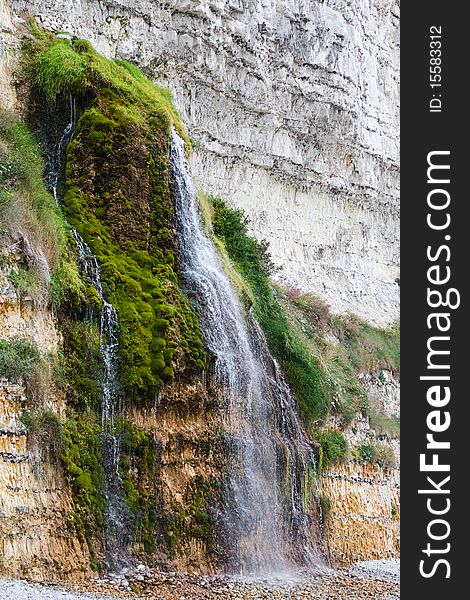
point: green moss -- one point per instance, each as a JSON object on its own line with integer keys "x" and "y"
{"x": 81, "y": 457}
{"x": 370, "y": 349}
{"x": 138, "y": 470}
{"x": 44, "y": 431}
{"x": 118, "y": 198}
{"x": 385, "y": 425}
{"x": 66, "y": 285}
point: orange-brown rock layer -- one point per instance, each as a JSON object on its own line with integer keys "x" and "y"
{"x": 362, "y": 521}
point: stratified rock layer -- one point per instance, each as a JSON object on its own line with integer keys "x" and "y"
{"x": 363, "y": 520}
{"x": 35, "y": 501}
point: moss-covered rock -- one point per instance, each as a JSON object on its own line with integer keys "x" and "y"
{"x": 139, "y": 470}
{"x": 118, "y": 197}
{"x": 81, "y": 458}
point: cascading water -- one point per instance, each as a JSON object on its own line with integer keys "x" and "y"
{"x": 56, "y": 155}
{"x": 265, "y": 521}
{"x": 117, "y": 515}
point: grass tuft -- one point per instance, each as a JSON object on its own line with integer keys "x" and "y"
{"x": 19, "y": 358}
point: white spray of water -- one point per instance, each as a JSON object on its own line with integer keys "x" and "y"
{"x": 265, "y": 521}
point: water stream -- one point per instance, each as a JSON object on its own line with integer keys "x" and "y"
{"x": 265, "y": 521}
{"x": 117, "y": 534}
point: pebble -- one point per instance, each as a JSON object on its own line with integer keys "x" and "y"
{"x": 369, "y": 580}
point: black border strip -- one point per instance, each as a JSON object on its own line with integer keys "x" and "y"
{"x": 423, "y": 131}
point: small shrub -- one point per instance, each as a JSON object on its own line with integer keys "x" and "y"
{"x": 19, "y": 358}
{"x": 44, "y": 432}
{"x": 378, "y": 454}
{"x": 333, "y": 447}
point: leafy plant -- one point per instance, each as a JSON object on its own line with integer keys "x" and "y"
{"x": 18, "y": 359}
{"x": 374, "y": 453}
{"x": 333, "y": 447}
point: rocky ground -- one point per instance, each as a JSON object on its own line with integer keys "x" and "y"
{"x": 377, "y": 580}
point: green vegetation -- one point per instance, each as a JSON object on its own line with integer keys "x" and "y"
{"x": 370, "y": 349}
{"x": 77, "y": 444}
{"x": 44, "y": 432}
{"x": 117, "y": 195}
{"x": 19, "y": 358}
{"x": 326, "y": 506}
{"x": 383, "y": 425}
{"x": 375, "y": 453}
{"x": 81, "y": 457}
{"x": 23, "y": 281}
{"x": 360, "y": 348}
{"x": 138, "y": 471}
{"x": 118, "y": 198}
{"x": 28, "y": 212}
{"x": 333, "y": 447}
{"x": 191, "y": 520}
{"x": 82, "y": 363}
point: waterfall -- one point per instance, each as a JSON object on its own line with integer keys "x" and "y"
{"x": 56, "y": 155}
{"x": 117, "y": 534}
{"x": 265, "y": 521}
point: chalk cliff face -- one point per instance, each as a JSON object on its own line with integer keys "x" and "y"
{"x": 293, "y": 106}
